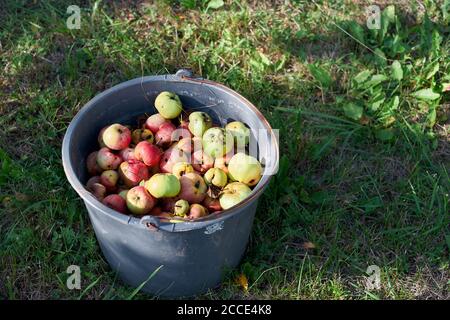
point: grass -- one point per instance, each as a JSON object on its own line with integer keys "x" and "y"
{"x": 363, "y": 118}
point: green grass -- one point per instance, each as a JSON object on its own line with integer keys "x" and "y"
{"x": 364, "y": 168}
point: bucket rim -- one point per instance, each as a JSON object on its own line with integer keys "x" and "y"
{"x": 211, "y": 219}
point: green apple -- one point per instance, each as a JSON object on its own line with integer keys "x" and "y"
{"x": 216, "y": 177}
{"x": 168, "y": 105}
{"x": 163, "y": 185}
{"x": 217, "y": 142}
{"x": 245, "y": 169}
{"x": 240, "y": 132}
{"x": 181, "y": 207}
{"x": 199, "y": 122}
{"x": 233, "y": 194}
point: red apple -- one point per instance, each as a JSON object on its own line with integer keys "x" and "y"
{"x": 163, "y": 137}
{"x": 196, "y": 211}
{"x": 140, "y": 201}
{"x": 155, "y": 211}
{"x": 109, "y": 179}
{"x": 222, "y": 162}
{"x": 91, "y": 181}
{"x": 154, "y": 122}
{"x": 147, "y": 153}
{"x": 170, "y": 157}
{"x": 193, "y": 188}
{"x": 117, "y": 137}
{"x": 201, "y": 161}
{"x": 211, "y": 204}
{"x": 127, "y": 154}
{"x": 100, "y": 137}
{"x": 132, "y": 172}
{"x": 91, "y": 164}
{"x": 107, "y": 160}
{"x": 98, "y": 190}
{"x": 115, "y": 202}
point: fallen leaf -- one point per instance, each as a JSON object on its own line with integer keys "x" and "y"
{"x": 308, "y": 245}
{"x": 242, "y": 281}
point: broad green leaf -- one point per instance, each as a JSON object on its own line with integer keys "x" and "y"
{"x": 432, "y": 72}
{"x": 362, "y": 76}
{"x": 215, "y": 4}
{"x": 389, "y": 13}
{"x": 426, "y": 94}
{"x": 385, "y": 134}
{"x": 431, "y": 117}
{"x": 375, "y": 80}
{"x": 264, "y": 59}
{"x": 320, "y": 75}
{"x": 374, "y": 106}
{"x": 387, "y": 17}
{"x": 353, "y": 111}
{"x": 380, "y": 57}
{"x": 397, "y": 71}
{"x": 394, "y": 103}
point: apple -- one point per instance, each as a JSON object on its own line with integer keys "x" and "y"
{"x": 127, "y": 154}
{"x": 117, "y": 137}
{"x": 233, "y": 194}
{"x": 168, "y": 204}
{"x": 180, "y": 133}
{"x": 197, "y": 211}
{"x": 139, "y": 135}
{"x": 245, "y": 169}
{"x": 216, "y": 177}
{"x": 170, "y": 157}
{"x": 190, "y": 145}
{"x": 163, "y": 137}
{"x": 181, "y": 207}
{"x": 240, "y": 132}
{"x": 181, "y": 168}
{"x": 100, "y": 137}
{"x": 115, "y": 202}
{"x": 168, "y": 105}
{"x": 163, "y": 185}
{"x": 154, "y": 122}
{"x": 193, "y": 188}
{"x": 109, "y": 179}
{"x": 98, "y": 190}
{"x": 132, "y": 172}
{"x": 91, "y": 164}
{"x": 199, "y": 122}
{"x": 156, "y": 211}
{"x": 222, "y": 162}
{"x": 140, "y": 201}
{"x": 107, "y": 160}
{"x": 211, "y": 204}
{"x": 217, "y": 142}
{"x": 123, "y": 193}
{"x": 147, "y": 153}
{"x": 201, "y": 161}
{"x": 91, "y": 181}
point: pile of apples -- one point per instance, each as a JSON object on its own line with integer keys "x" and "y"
{"x": 173, "y": 167}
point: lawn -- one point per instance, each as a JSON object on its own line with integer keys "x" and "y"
{"x": 363, "y": 118}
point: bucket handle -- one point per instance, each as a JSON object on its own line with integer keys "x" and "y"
{"x": 150, "y": 222}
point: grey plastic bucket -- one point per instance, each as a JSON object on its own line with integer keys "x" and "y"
{"x": 191, "y": 256}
